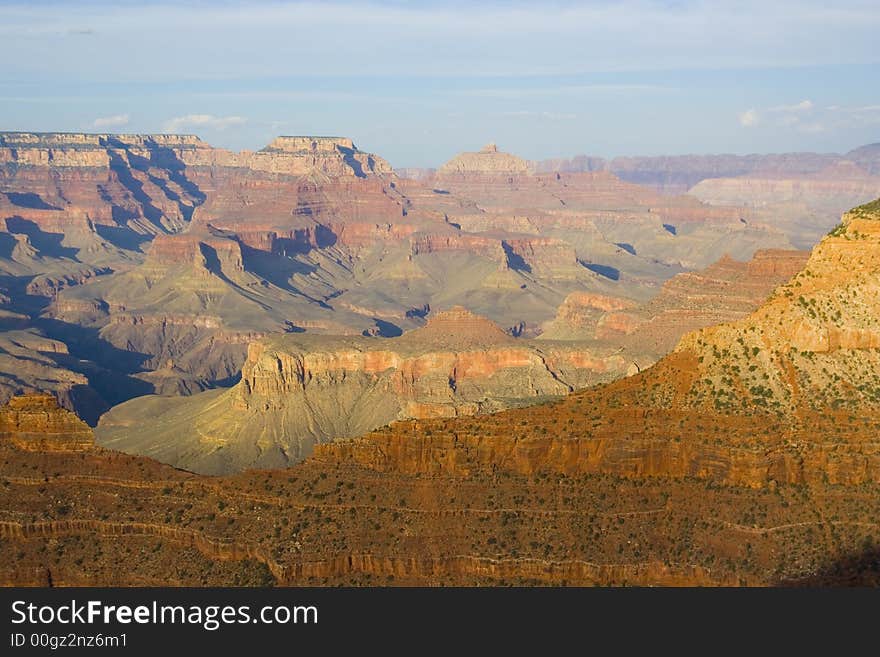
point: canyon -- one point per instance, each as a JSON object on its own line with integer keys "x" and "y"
{"x": 801, "y": 193}
{"x": 144, "y": 264}
{"x": 687, "y": 473}
{"x": 299, "y": 390}
{"x": 304, "y": 368}
{"x": 773, "y": 386}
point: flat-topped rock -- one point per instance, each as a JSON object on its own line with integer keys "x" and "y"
{"x": 489, "y": 160}
{"x": 96, "y": 140}
{"x": 296, "y": 144}
{"x": 290, "y": 155}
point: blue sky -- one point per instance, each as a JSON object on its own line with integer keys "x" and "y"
{"x": 418, "y": 82}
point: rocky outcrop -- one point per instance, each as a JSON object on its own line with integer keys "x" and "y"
{"x": 299, "y": 390}
{"x": 332, "y": 156}
{"x": 489, "y": 160}
{"x": 36, "y": 422}
{"x": 789, "y": 393}
{"x": 325, "y": 522}
{"x": 725, "y": 291}
{"x": 581, "y": 311}
{"x": 814, "y": 342}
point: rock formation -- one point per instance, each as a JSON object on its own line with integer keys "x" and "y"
{"x": 813, "y": 344}
{"x": 488, "y": 160}
{"x": 802, "y": 194}
{"x": 164, "y": 248}
{"x": 678, "y": 173}
{"x": 785, "y": 394}
{"x": 36, "y": 423}
{"x": 298, "y": 390}
{"x": 725, "y": 291}
{"x": 720, "y": 465}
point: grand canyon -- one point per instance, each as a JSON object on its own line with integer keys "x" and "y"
{"x": 300, "y": 365}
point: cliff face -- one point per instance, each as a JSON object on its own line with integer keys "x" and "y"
{"x": 134, "y": 182}
{"x": 37, "y": 423}
{"x": 329, "y": 521}
{"x": 725, "y": 291}
{"x": 831, "y": 186}
{"x": 805, "y": 206}
{"x": 119, "y": 186}
{"x": 334, "y": 156}
{"x": 785, "y": 394}
{"x": 814, "y": 342}
{"x": 299, "y": 390}
{"x": 299, "y": 527}
{"x": 156, "y": 249}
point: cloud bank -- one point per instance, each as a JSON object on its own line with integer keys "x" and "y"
{"x": 204, "y": 121}
{"x": 115, "y": 121}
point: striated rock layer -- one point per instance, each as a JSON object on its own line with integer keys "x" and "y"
{"x": 725, "y": 291}
{"x": 36, "y": 422}
{"x": 724, "y": 464}
{"x": 114, "y": 519}
{"x": 298, "y": 390}
{"x": 137, "y": 251}
{"x": 802, "y": 194}
{"x": 787, "y": 394}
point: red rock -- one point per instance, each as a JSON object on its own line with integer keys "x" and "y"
{"x": 36, "y": 422}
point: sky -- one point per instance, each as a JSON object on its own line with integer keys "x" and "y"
{"x": 418, "y": 82}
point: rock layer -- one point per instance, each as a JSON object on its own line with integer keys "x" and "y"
{"x": 299, "y": 390}
{"x": 36, "y": 422}
{"x": 137, "y": 250}
{"x": 786, "y": 394}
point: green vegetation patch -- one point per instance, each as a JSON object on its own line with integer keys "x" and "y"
{"x": 872, "y": 208}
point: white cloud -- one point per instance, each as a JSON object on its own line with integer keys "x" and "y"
{"x": 808, "y": 118}
{"x": 803, "y": 106}
{"x": 787, "y": 116}
{"x": 749, "y": 118}
{"x": 209, "y": 121}
{"x": 115, "y": 121}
